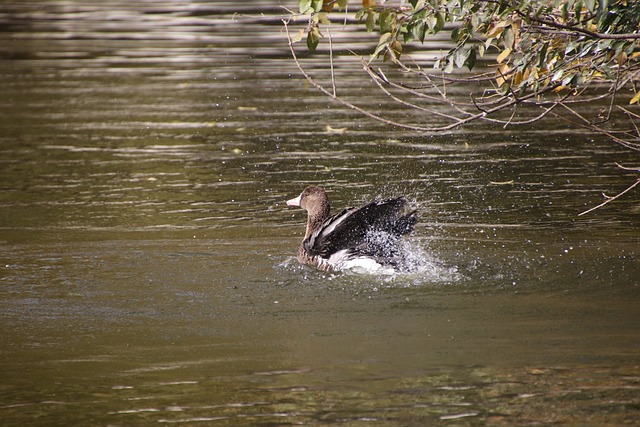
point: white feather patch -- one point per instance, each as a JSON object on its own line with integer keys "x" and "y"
{"x": 341, "y": 260}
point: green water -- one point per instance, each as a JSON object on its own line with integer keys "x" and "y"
{"x": 146, "y": 253}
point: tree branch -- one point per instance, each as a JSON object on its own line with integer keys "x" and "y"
{"x": 592, "y": 34}
{"x": 610, "y": 199}
{"x": 585, "y": 123}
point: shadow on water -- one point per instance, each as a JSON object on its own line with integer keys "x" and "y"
{"x": 146, "y": 259}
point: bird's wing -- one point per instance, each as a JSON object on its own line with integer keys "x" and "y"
{"x": 351, "y": 229}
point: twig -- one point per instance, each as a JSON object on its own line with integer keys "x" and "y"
{"x": 628, "y": 112}
{"x": 614, "y": 90}
{"x": 628, "y": 168}
{"x": 635, "y": 127}
{"x": 473, "y": 99}
{"x": 414, "y": 92}
{"x": 528, "y": 121}
{"x": 610, "y": 199}
{"x": 333, "y": 77}
{"x": 585, "y": 123}
{"x": 513, "y": 114}
{"x": 377, "y": 80}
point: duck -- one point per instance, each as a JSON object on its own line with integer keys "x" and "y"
{"x": 365, "y": 237}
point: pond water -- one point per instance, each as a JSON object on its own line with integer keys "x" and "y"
{"x": 146, "y": 260}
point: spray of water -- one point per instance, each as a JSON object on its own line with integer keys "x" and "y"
{"x": 409, "y": 259}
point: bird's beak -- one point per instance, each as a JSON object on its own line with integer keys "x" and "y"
{"x": 294, "y": 202}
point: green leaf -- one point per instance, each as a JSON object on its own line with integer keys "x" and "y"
{"x": 323, "y": 18}
{"x": 557, "y": 75}
{"x": 461, "y": 56}
{"x": 603, "y": 44}
{"x": 590, "y": 4}
{"x": 471, "y": 60}
{"x": 570, "y": 47}
{"x": 505, "y": 89}
{"x": 431, "y": 22}
{"x": 317, "y": 5}
{"x": 419, "y": 15}
{"x": 542, "y": 55}
{"x": 607, "y": 21}
{"x": 503, "y": 8}
{"x": 508, "y": 37}
{"x": 383, "y": 17}
{"x": 387, "y": 21}
{"x": 371, "y": 20}
{"x": 313, "y": 38}
{"x": 419, "y": 31}
{"x": 342, "y": 4}
{"x": 568, "y": 80}
{"x": 439, "y": 22}
{"x": 455, "y": 34}
{"x": 416, "y": 4}
{"x": 586, "y": 49}
{"x": 542, "y": 10}
{"x": 304, "y": 5}
{"x": 602, "y": 8}
{"x": 383, "y": 42}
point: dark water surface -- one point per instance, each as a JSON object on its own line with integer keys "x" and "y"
{"x": 146, "y": 270}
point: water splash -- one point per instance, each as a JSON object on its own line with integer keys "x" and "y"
{"x": 414, "y": 262}
{"x": 411, "y": 263}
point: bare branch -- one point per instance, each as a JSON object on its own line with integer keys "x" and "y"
{"x": 609, "y": 199}
{"x": 333, "y": 76}
{"x": 614, "y": 90}
{"x": 441, "y": 99}
{"x": 629, "y": 112}
{"x": 637, "y": 168}
{"x": 524, "y": 122}
{"x": 585, "y": 123}
{"x": 378, "y": 81}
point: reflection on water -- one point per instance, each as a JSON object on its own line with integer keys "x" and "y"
{"x": 147, "y": 270}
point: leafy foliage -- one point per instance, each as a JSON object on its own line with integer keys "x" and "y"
{"x": 548, "y": 54}
{"x": 538, "y": 43}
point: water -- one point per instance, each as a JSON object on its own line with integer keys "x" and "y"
{"x": 146, "y": 258}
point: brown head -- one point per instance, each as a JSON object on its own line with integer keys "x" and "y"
{"x": 315, "y": 201}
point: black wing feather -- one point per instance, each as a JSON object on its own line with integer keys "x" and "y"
{"x": 351, "y": 228}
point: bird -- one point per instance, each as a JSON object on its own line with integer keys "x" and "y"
{"x": 365, "y": 237}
